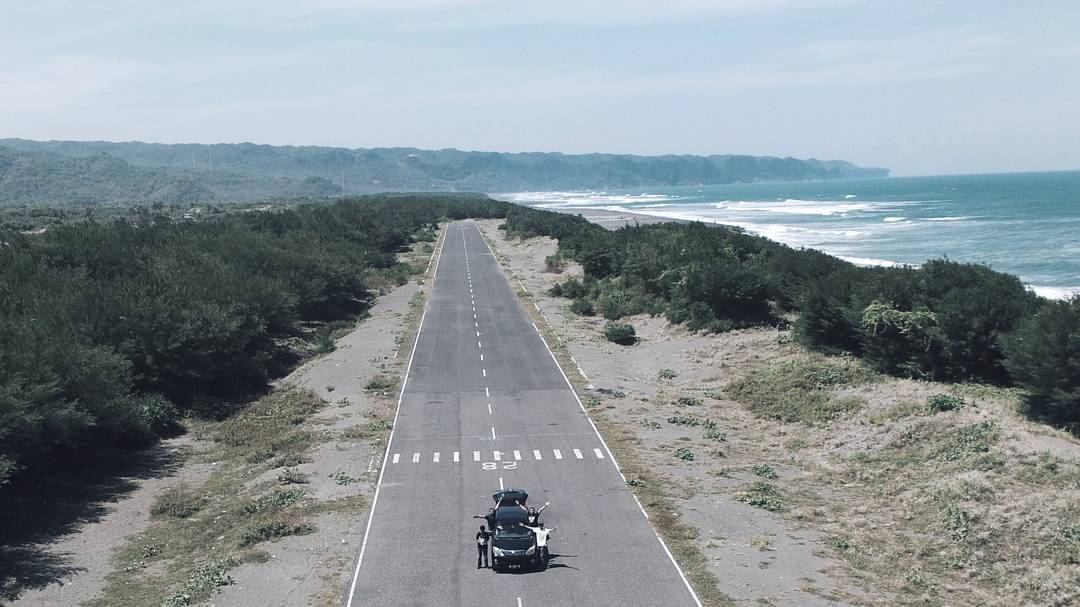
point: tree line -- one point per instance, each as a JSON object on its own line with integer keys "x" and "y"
{"x": 943, "y": 320}
{"x": 109, "y": 331}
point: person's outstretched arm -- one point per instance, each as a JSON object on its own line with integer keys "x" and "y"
{"x": 541, "y": 508}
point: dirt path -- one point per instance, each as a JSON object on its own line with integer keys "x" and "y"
{"x": 83, "y": 555}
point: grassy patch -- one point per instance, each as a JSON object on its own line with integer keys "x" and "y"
{"x": 203, "y": 580}
{"x": 177, "y": 502}
{"x": 764, "y": 471}
{"x": 762, "y": 495}
{"x": 380, "y": 383}
{"x": 970, "y": 441}
{"x": 802, "y": 391}
{"x": 227, "y": 517}
{"x": 684, "y": 454}
{"x": 901, "y": 410}
{"x": 271, "y": 530}
{"x": 944, "y": 402}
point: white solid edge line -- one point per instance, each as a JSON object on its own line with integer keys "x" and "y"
{"x": 611, "y": 457}
{"x": 390, "y": 440}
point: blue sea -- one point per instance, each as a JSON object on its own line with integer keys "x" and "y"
{"x": 1026, "y": 224}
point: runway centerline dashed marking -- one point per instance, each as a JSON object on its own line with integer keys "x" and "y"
{"x": 457, "y": 456}
{"x": 397, "y": 456}
{"x": 577, "y": 454}
{"x": 435, "y": 457}
{"x": 475, "y": 456}
{"x": 416, "y": 458}
{"x": 517, "y": 455}
{"x": 599, "y": 453}
{"x": 558, "y": 454}
{"x": 536, "y": 455}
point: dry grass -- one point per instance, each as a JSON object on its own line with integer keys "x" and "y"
{"x": 197, "y": 536}
{"x": 953, "y": 507}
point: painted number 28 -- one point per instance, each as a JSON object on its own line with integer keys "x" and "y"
{"x": 495, "y": 465}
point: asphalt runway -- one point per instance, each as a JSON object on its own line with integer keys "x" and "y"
{"x": 485, "y": 406}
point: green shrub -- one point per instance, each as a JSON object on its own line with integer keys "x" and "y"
{"x": 271, "y": 530}
{"x": 971, "y": 440}
{"x": 553, "y": 263}
{"x": 280, "y": 498}
{"x": 666, "y": 373}
{"x": 201, "y": 583}
{"x": 622, "y": 334}
{"x": 688, "y": 401}
{"x": 159, "y": 414}
{"x": 1043, "y": 357}
{"x": 944, "y": 402}
{"x": 958, "y": 522}
{"x": 764, "y": 471}
{"x": 716, "y": 435}
{"x": 763, "y": 495}
{"x": 1067, "y": 542}
{"x": 684, "y": 454}
{"x": 582, "y": 306}
{"x": 379, "y": 383}
{"x": 292, "y": 476}
{"x": 684, "y": 420}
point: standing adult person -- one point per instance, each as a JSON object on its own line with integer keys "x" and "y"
{"x": 541, "y": 534}
{"x": 483, "y": 539}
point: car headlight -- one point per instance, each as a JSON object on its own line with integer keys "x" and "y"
{"x": 496, "y": 551}
{"x": 530, "y": 551}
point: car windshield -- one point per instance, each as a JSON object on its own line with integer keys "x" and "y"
{"x": 510, "y": 515}
{"x": 512, "y": 532}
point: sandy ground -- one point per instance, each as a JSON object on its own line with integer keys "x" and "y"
{"x": 88, "y": 550}
{"x": 789, "y": 558}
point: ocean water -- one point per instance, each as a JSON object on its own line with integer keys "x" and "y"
{"x": 1026, "y": 224}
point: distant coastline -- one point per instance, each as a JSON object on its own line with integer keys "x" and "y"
{"x": 614, "y": 219}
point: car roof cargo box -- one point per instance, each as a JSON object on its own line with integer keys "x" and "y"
{"x": 509, "y": 496}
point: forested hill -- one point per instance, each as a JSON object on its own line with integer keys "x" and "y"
{"x": 94, "y": 172}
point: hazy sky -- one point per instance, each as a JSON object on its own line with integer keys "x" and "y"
{"x": 921, "y": 87}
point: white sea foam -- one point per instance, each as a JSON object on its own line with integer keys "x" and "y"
{"x": 894, "y": 219}
{"x": 849, "y": 196}
{"x": 1054, "y": 292}
{"x": 794, "y": 206}
{"x": 870, "y": 261}
{"x": 949, "y": 218}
